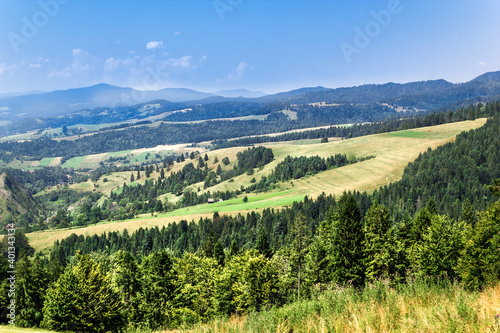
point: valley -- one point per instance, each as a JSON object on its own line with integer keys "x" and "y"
{"x": 392, "y": 151}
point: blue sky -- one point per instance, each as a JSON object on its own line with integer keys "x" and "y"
{"x": 266, "y": 45}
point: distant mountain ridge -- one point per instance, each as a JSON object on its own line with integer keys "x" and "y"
{"x": 422, "y": 95}
{"x": 61, "y": 102}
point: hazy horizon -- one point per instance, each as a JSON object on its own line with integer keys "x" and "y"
{"x": 262, "y": 46}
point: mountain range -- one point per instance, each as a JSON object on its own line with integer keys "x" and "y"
{"x": 417, "y": 96}
{"x": 59, "y": 102}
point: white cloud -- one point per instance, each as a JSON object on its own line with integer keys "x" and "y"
{"x": 482, "y": 63}
{"x": 2, "y": 68}
{"x": 183, "y": 62}
{"x": 153, "y": 71}
{"x": 38, "y": 62}
{"x": 154, "y": 45}
{"x": 177, "y": 33}
{"x": 236, "y": 74}
{"x": 83, "y": 63}
{"x": 113, "y": 64}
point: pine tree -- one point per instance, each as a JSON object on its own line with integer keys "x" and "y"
{"x": 378, "y": 243}
{"x": 235, "y": 250}
{"x": 263, "y": 245}
{"x": 205, "y": 157}
{"x": 347, "y": 243}
{"x": 300, "y": 243}
{"x": 31, "y": 284}
{"x": 157, "y": 289}
{"x": 468, "y": 214}
{"x": 131, "y": 178}
{"x": 219, "y": 253}
{"x": 317, "y": 260}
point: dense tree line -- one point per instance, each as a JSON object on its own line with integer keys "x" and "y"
{"x": 356, "y": 130}
{"x": 344, "y": 113}
{"x": 144, "y": 280}
{"x": 298, "y": 167}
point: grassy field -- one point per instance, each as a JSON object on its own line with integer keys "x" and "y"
{"x": 14, "y": 329}
{"x": 74, "y": 162}
{"x": 414, "y": 307}
{"x": 419, "y": 306}
{"x": 392, "y": 151}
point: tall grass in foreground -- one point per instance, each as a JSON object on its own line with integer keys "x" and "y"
{"x": 415, "y": 307}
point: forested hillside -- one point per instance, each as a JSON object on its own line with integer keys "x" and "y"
{"x": 16, "y": 203}
{"x": 454, "y": 175}
{"x": 149, "y": 285}
{"x": 356, "y": 130}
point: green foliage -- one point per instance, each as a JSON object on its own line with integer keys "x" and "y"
{"x": 347, "y": 243}
{"x": 248, "y": 282}
{"x": 194, "y": 300}
{"x": 82, "y": 300}
{"x": 495, "y": 188}
{"x": 262, "y": 245}
{"x": 439, "y": 250}
{"x": 301, "y": 239}
{"x": 125, "y": 279}
{"x": 219, "y": 253}
{"x": 157, "y": 291}
{"x": 479, "y": 263}
{"x": 453, "y": 173}
{"x": 31, "y": 284}
{"x": 379, "y": 244}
